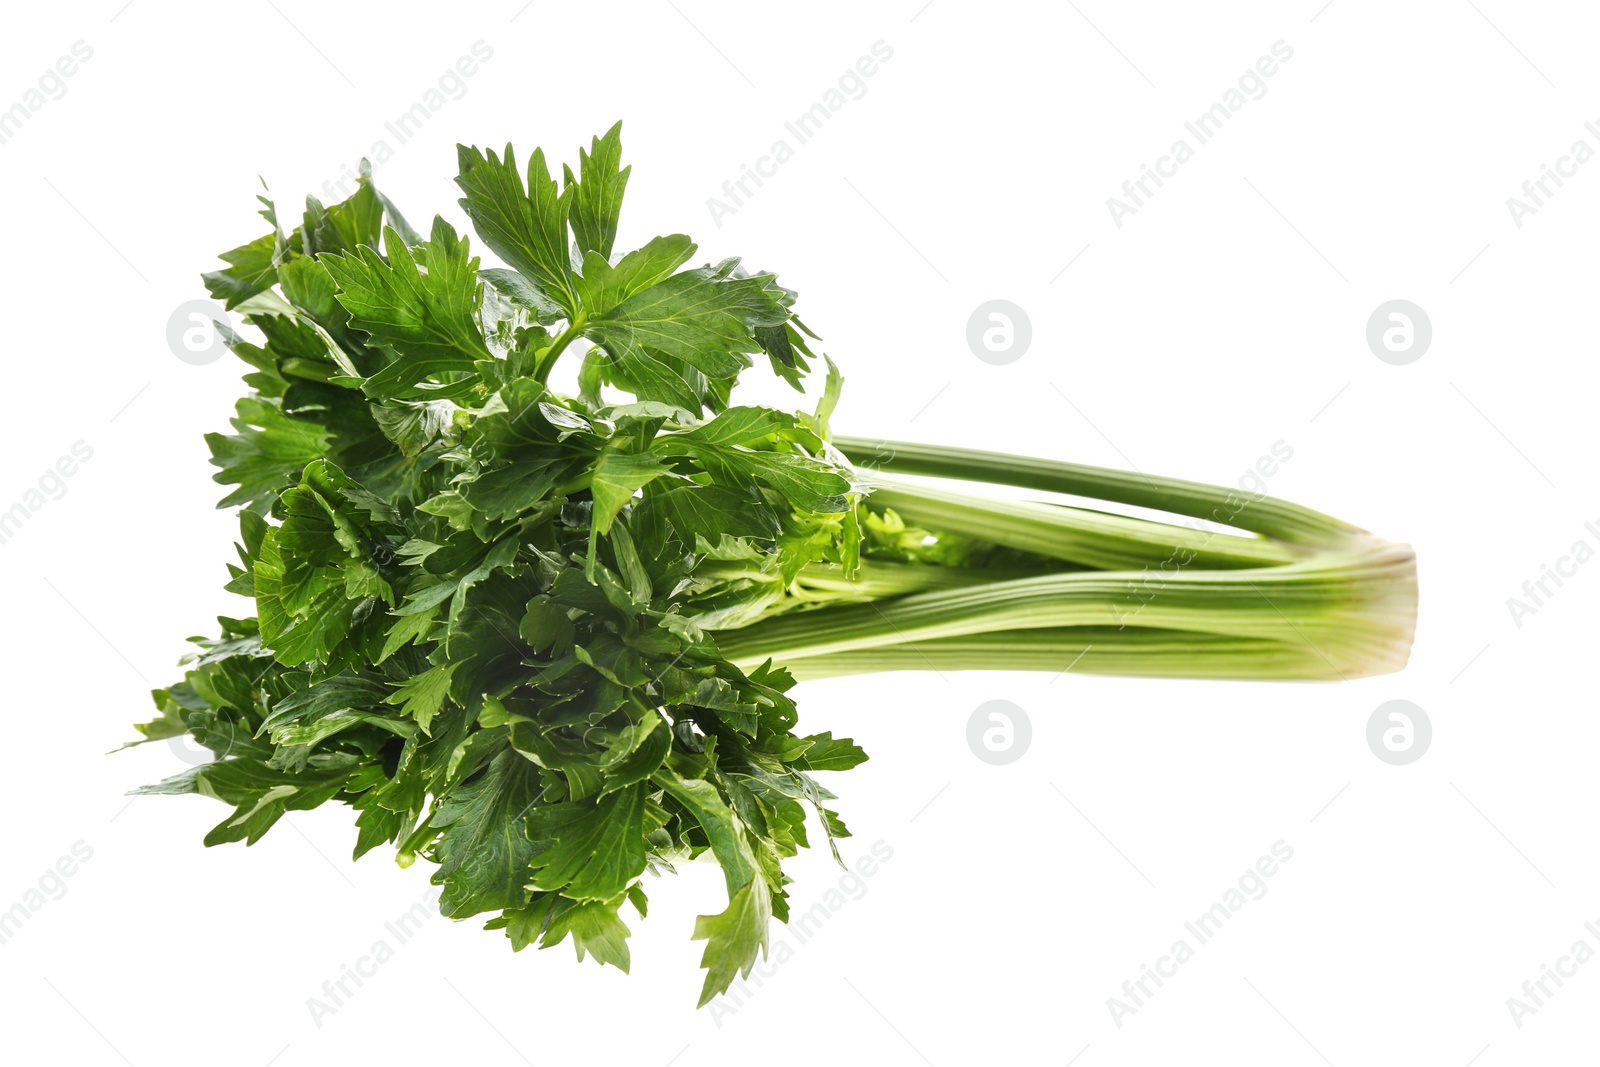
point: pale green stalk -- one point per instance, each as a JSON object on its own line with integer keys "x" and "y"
{"x": 1301, "y": 596}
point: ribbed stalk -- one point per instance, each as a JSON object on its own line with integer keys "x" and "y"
{"x": 1082, "y": 650}
{"x": 881, "y": 579}
{"x": 1273, "y": 518}
{"x": 1353, "y": 608}
{"x": 1310, "y": 597}
{"x": 1091, "y": 538}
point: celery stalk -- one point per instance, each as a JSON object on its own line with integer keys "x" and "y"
{"x": 1299, "y": 595}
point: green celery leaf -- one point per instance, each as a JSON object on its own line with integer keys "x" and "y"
{"x": 252, "y": 269}
{"x": 828, "y": 753}
{"x": 414, "y": 425}
{"x": 596, "y": 929}
{"x": 423, "y": 695}
{"x": 294, "y": 719}
{"x": 603, "y": 286}
{"x": 352, "y": 223}
{"x": 810, "y": 485}
{"x": 593, "y": 848}
{"x": 701, "y": 318}
{"x": 733, "y": 938}
{"x": 617, "y": 476}
{"x": 599, "y": 188}
{"x": 524, "y": 294}
{"x": 265, "y": 454}
{"x": 485, "y": 850}
{"x": 526, "y": 229}
{"x": 703, "y": 801}
{"x": 427, "y": 320}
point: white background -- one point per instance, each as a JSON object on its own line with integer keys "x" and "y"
{"x": 1226, "y": 315}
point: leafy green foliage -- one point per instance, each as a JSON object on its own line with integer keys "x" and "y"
{"x": 529, "y": 636}
{"x": 598, "y": 200}
{"x": 429, "y": 321}
{"x": 483, "y": 609}
{"x": 694, "y": 323}
{"x": 526, "y": 227}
